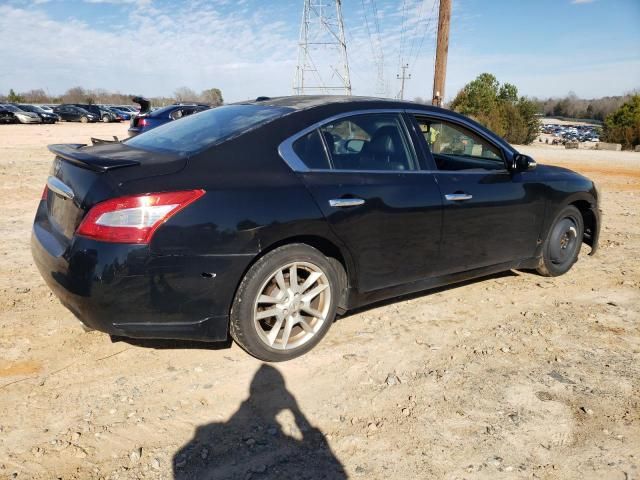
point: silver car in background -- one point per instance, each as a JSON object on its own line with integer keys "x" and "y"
{"x": 22, "y": 116}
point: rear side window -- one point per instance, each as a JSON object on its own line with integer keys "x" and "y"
{"x": 311, "y": 151}
{"x": 196, "y": 132}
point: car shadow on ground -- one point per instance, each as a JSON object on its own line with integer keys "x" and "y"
{"x": 254, "y": 444}
{"x": 160, "y": 344}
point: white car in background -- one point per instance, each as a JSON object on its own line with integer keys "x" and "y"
{"x": 46, "y": 108}
{"x": 22, "y": 116}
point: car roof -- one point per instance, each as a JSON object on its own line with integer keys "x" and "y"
{"x": 304, "y": 102}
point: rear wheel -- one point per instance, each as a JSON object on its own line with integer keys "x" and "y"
{"x": 285, "y": 303}
{"x": 106, "y": 119}
{"x": 561, "y": 248}
{"x": 84, "y": 119}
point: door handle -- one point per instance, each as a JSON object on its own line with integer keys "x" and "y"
{"x": 346, "y": 202}
{"x": 458, "y": 197}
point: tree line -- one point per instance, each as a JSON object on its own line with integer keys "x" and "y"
{"x": 572, "y": 106}
{"x": 211, "y": 96}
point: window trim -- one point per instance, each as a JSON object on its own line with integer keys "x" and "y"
{"x": 507, "y": 150}
{"x": 285, "y": 149}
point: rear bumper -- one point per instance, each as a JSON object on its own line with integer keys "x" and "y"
{"x": 125, "y": 290}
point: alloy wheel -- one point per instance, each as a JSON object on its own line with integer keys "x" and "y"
{"x": 292, "y": 305}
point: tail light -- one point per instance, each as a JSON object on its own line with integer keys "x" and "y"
{"x": 142, "y": 122}
{"x": 134, "y": 219}
{"x": 45, "y": 192}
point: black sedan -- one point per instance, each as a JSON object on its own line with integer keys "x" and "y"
{"x": 264, "y": 219}
{"x": 71, "y": 113}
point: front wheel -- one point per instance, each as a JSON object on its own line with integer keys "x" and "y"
{"x": 285, "y": 303}
{"x": 84, "y": 119}
{"x": 562, "y": 245}
{"x": 105, "y": 119}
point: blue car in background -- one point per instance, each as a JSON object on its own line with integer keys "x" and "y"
{"x": 121, "y": 114}
{"x": 148, "y": 119}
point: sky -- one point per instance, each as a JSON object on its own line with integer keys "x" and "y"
{"x": 249, "y": 48}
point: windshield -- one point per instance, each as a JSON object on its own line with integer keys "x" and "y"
{"x": 11, "y": 108}
{"x": 196, "y": 132}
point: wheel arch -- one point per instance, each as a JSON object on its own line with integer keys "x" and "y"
{"x": 591, "y": 222}
{"x": 327, "y": 247}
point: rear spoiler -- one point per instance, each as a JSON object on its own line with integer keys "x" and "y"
{"x": 72, "y": 153}
{"x": 99, "y": 141}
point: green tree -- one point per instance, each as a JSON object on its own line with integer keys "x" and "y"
{"x": 498, "y": 108}
{"x": 623, "y": 125}
{"x": 13, "y": 97}
{"x": 508, "y": 92}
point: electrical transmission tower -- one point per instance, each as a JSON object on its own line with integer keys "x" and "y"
{"x": 323, "y": 65}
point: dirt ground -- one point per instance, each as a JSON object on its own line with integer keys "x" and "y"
{"x": 513, "y": 376}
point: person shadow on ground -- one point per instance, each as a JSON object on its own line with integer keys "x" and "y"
{"x": 252, "y": 445}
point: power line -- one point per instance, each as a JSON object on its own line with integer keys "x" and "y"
{"x": 376, "y": 50}
{"x": 425, "y": 32}
{"x": 415, "y": 33}
{"x": 402, "y": 34}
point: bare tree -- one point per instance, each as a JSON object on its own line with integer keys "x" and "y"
{"x": 75, "y": 95}
{"x": 185, "y": 94}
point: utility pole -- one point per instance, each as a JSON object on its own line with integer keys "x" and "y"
{"x": 442, "y": 49}
{"x": 402, "y": 78}
{"x": 322, "y": 28}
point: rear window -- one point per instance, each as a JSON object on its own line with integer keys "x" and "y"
{"x": 196, "y": 132}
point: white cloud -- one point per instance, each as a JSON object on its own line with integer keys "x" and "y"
{"x": 158, "y": 50}
{"x": 249, "y": 50}
{"x": 114, "y": 2}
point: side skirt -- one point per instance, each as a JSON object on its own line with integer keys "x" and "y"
{"x": 358, "y": 299}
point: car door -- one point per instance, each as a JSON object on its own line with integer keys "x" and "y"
{"x": 363, "y": 172}
{"x": 490, "y": 214}
{"x": 64, "y": 113}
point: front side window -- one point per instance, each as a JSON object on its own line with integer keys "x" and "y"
{"x": 455, "y": 147}
{"x": 368, "y": 142}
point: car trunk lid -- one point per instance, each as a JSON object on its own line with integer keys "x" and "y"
{"x": 82, "y": 176}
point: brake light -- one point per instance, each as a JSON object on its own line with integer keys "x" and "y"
{"x": 134, "y": 219}
{"x": 45, "y": 192}
{"x": 142, "y": 122}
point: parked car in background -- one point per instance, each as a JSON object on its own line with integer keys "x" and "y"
{"x": 71, "y": 113}
{"x": 7, "y": 116}
{"x": 128, "y": 108}
{"x": 21, "y": 115}
{"x": 47, "y": 108}
{"x": 263, "y": 219}
{"x": 46, "y": 117}
{"x": 103, "y": 114}
{"x": 152, "y": 119}
{"x": 121, "y": 115}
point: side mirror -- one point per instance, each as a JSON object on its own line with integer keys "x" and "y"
{"x": 354, "y": 145}
{"x": 522, "y": 163}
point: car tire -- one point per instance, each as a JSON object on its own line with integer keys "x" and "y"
{"x": 84, "y": 119}
{"x": 302, "y": 311}
{"x": 562, "y": 245}
{"x": 106, "y": 119}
